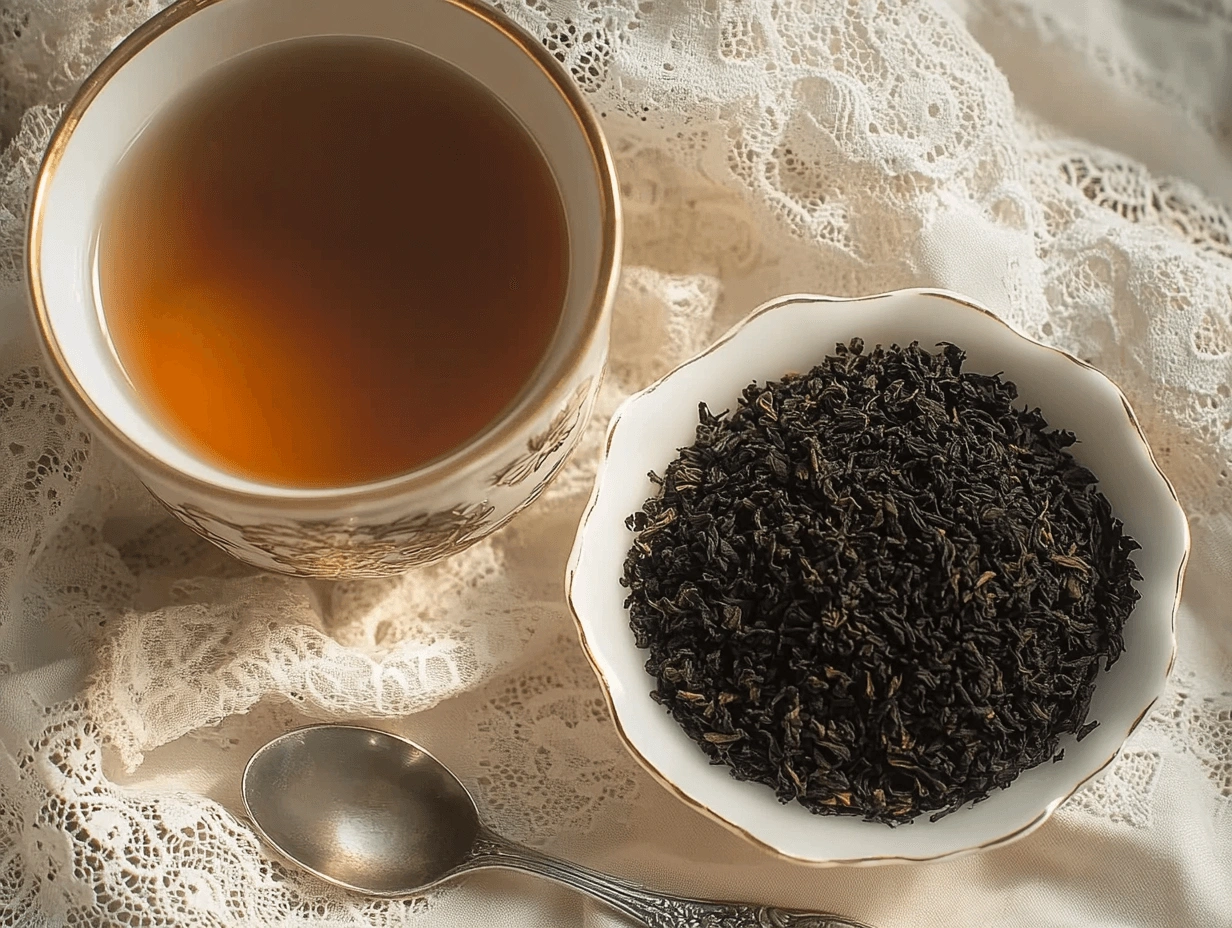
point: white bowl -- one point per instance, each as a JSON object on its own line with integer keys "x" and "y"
{"x": 794, "y": 333}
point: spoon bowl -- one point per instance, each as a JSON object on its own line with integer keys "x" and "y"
{"x": 360, "y": 808}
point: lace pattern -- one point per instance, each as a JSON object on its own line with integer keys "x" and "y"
{"x": 551, "y": 763}
{"x": 764, "y": 146}
{"x": 100, "y": 854}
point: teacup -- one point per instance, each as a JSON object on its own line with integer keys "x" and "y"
{"x": 383, "y": 527}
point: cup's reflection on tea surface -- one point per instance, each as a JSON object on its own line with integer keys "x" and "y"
{"x": 350, "y": 360}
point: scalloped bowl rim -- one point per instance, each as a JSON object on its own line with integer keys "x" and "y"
{"x": 749, "y": 809}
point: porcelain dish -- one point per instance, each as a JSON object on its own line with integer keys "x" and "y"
{"x": 793, "y": 333}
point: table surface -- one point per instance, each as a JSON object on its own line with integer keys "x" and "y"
{"x": 1065, "y": 164}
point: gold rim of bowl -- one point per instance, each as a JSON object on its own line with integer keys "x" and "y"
{"x": 491, "y": 438}
{"x": 1015, "y": 833}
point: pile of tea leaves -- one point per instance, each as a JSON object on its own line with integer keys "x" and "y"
{"x": 879, "y": 587}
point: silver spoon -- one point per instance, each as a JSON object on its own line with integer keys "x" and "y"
{"x": 375, "y": 813}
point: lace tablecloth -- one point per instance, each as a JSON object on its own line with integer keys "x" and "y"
{"x": 1066, "y": 163}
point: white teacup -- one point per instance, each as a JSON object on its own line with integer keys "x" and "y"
{"x": 359, "y": 531}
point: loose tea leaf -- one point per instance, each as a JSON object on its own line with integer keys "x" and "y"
{"x": 878, "y": 587}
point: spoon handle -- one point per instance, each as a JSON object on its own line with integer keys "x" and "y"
{"x": 654, "y": 910}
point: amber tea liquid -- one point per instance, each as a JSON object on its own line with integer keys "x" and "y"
{"x": 331, "y": 261}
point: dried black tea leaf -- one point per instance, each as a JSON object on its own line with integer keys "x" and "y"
{"x": 878, "y": 587}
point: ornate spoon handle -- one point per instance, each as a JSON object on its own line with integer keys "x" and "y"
{"x": 655, "y": 910}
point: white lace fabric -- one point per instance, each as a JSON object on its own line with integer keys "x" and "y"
{"x": 764, "y": 147}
